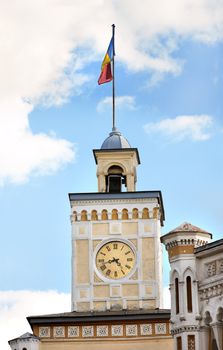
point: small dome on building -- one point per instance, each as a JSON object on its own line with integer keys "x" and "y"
{"x": 188, "y": 227}
{"x": 115, "y": 141}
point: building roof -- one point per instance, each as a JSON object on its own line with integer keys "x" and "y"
{"x": 115, "y": 140}
{"x": 118, "y": 150}
{"x": 77, "y": 317}
{"x": 187, "y": 227}
{"x": 209, "y": 246}
{"x": 24, "y": 336}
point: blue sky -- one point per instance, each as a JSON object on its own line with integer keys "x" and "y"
{"x": 169, "y": 82}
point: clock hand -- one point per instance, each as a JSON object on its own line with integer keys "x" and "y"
{"x": 109, "y": 261}
{"x": 117, "y": 261}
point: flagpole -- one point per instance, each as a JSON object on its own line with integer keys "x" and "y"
{"x": 113, "y": 80}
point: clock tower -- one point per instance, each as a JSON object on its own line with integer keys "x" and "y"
{"x": 116, "y": 263}
{"x": 116, "y": 250}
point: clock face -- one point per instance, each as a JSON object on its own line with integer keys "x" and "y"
{"x": 115, "y": 260}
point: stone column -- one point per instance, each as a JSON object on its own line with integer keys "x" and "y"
{"x": 101, "y": 183}
{"x": 217, "y": 330}
{"x": 204, "y": 337}
{"x": 182, "y": 301}
{"x": 130, "y": 182}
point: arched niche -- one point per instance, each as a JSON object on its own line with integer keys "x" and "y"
{"x": 84, "y": 215}
{"x": 114, "y": 214}
{"x": 115, "y": 179}
{"x": 125, "y": 214}
{"x": 94, "y": 215}
{"x": 104, "y": 214}
{"x": 145, "y": 213}
{"x": 135, "y": 213}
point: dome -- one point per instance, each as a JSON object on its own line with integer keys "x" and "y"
{"x": 115, "y": 140}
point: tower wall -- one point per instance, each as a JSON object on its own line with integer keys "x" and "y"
{"x": 137, "y": 222}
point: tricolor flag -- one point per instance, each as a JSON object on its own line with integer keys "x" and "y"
{"x": 106, "y": 71}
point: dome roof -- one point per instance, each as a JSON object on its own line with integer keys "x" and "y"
{"x": 187, "y": 227}
{"x": 115, "y": 140}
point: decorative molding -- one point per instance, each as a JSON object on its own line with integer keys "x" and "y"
{"x": 117, "y": 330}
{"x": 87, "y": 331}
{"x": 44, "y": 332}
{"x": 114, "y": 201}
{"x": 131, "y": 330}
{"x": 73, "y": 331}
{"x": 114, "y": 330}
{"x": 211, "y": 291}
{"x": 183, "y": 329}
{"x": 58, "y": 332}
{"x": 102, "y": 331}
{"x": 211, "y": 269}
{"x": 146, "y": 329}
{"x": 160, "y": 328}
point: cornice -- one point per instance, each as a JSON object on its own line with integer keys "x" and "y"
{"x": 114, "y": 201}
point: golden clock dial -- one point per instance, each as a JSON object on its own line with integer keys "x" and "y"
{"x": 115, "y": 260}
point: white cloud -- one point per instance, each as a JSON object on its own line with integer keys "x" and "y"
{"x": 23, "y": 153}
{"x": 46, "y": 46}
{"x": 194, "y": 127}
{"x": 15, "y": 306}
{"x": 120, "y": 102}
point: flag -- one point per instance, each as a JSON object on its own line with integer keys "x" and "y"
{"x": 106, "y": 71}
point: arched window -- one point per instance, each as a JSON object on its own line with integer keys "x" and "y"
{"x": 114, "y": 214}
{"x": 125, "y": 214}
{"x": 191, "y": 341}
{"x": 84, "y": 215}
{"x": 135, "y": 213}
{"x": 145, "y": 213}
{"x": 75, "y": 215}
{"x": 189, "y": 294}
{"x": 94, "y": 215}
{"x": 24, "y": 349}
{"x": 179, "y": 343}
{"x": 104, "y": 214}
{"x": 177, "y": 303}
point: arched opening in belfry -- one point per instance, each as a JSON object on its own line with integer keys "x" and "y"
{"x": 115, "y": 180}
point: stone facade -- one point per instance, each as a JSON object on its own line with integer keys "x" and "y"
{"x": 117, "y": 329}
{"x": 196, "y": 286}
